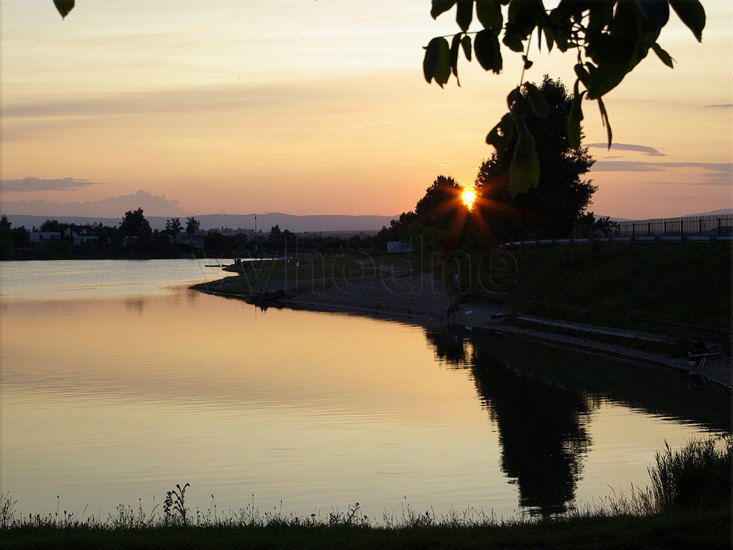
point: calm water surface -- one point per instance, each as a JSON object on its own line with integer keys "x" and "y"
{"x": 118, "y": 382}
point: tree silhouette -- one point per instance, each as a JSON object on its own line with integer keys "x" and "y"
{"x": 561, "y": 198}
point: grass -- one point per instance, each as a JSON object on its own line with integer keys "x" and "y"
{"x": 687, "y": 283}
{"x": 688, "y": 506}
{"x": 696, "y": 476}
{"x": 679, "y": 290}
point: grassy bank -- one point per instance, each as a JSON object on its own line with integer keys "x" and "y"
{"x": 687, "y": 506}
{"x": 688, "y": 283}
{"x": 692, "y": 529}
{"x": 673, "y": 289}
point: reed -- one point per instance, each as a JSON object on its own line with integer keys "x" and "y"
{"x": 696, "y": 476}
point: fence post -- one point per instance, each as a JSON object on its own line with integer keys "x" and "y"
{"x": 720, "y": 226}
{"x": 665, "y": 228}
{"x": 649, "y": 229}
{"x": 633, "y": 230}
{"x": 682, "y": 230}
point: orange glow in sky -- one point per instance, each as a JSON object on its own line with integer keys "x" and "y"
{"x": 468, "y": 198}
{"x": 310, "y": 107}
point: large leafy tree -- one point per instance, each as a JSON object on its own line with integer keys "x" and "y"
{"x": 561, "y": 197}
{"x": 608, "y": 37}
{"x": 441, "y": 203}
{"x": 192, "y": 225}
{"x": 134, "y": 224}
{"x": 173, "y": 227}
{"x": 439, "y": 220}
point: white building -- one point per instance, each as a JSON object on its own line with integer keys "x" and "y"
{"x": 45, "y": 236}
{"x": 398, "y": 246}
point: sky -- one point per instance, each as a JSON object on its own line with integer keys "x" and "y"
{"x": 319, "y": 107}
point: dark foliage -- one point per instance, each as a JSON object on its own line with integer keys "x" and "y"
{"x": 560, "y": 200}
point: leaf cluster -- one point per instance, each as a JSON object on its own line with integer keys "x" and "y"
{"x": 610, "y": 38}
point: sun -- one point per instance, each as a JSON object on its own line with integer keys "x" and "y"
{"x": 468, "y": 198}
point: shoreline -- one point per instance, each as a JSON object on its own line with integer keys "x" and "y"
{"x": 422, "y": 302}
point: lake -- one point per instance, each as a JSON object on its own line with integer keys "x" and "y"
{"x": 118, "y": 382}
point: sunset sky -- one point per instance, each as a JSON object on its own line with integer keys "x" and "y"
{"x": 319, "y": 107}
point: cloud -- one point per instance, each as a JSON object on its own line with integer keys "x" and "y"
{"x": 720, "y": 106}
{"x": 114, "y": 207}
{"x": 625, "y": 166}
{"x": 709, "y": 173}
{"x": 26, "y": 185}
{"x": 643, "y": 149}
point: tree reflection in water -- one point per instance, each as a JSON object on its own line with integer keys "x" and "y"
{"x": 542, "y": 430}
{"x": 542, "y": 400}
{"x": 541, "y": 423}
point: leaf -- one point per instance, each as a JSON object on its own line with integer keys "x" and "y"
{"x": 606, "y": 122}
{"x": 489, "y": 14}
{"x": 513, "y": 40}
{"x": 466, "y": 43}
{"x": 575, "y": 117}
{"x": 441, "y": 6}
{"x": 561, "y": 39}
{"x": 654, "y": 12}
{"x": 582, "y": 74}
{"x": 603, "y": 48}
{"x": 663, "y": 55}
{"x": 488, "y": 52}
{"x": 524, "y": 170}
{"x": 64, "y": 6}
{"x": 605, "y": 78}
{"x": 527, "y": 62}
{"x": 549, "y": 38}
{"x": 523, "y": 15}
{"x": 436, "y": 64}
{"x": 454, "y": 49}
{"x": 692, "y": 14}
{"x": 537, "y": 100}
{"x": 513, "y": 97}
{"x": 464, "y": 14}
{"x": 501, "y": 134}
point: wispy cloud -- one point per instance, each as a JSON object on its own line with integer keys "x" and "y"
{"x": 708, "y": 173}
{"x": 643, "y": 149}
{"x": 720, "y": 106}
{"x": 626, "y": 166}
{"x": 27, "y": 185}
{"x": 152, "y": 205}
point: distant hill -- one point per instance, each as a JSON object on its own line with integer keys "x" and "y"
{"x": 296, "y": 224}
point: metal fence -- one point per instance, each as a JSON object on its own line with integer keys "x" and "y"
{"x": 691, "y": 226}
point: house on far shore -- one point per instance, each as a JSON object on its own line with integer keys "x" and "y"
{"x": 82, "y": 235}
{"x": 398, "y": 246}
{"x": 196, "y": 240}
{"x": 45, "y": 236}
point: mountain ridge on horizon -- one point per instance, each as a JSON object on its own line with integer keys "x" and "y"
{"x": 264, "y": 222}
{"x": 295, "y": 223}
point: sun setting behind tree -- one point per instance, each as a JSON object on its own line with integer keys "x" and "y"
{"x": 468, "y": 198}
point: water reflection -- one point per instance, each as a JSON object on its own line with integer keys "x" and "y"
{"x": 542, "y": 430}
{"x": 119, "y": 393}
{"x": 542, "y": 401}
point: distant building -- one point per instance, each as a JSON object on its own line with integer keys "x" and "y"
{"x": 82, "y": 235}
{"x": 45, "y": 236}
{"x": 398, "y": 246}
{"x": 196, "y": 240}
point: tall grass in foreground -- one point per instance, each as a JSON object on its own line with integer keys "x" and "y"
{"x": 697, "y": 476}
